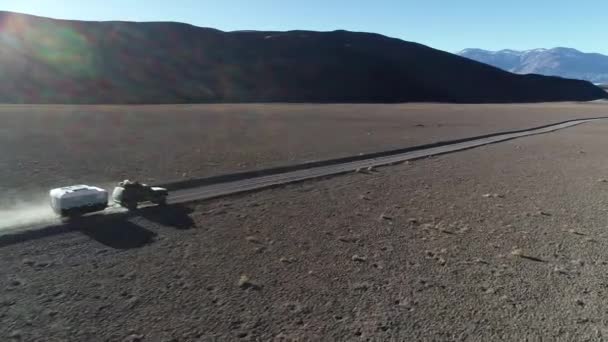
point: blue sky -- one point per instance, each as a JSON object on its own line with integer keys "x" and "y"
{"x": 449, "y": 25}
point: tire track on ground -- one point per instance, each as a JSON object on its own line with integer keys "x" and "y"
{"x": 214, "y": 187}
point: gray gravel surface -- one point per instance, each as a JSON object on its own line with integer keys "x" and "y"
{"x": 502, "y": 242}
{"x": 49, "y": 146}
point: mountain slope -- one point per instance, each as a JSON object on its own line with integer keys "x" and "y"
{"x": 55, "y": 61}
{"x": 563, "y": 62}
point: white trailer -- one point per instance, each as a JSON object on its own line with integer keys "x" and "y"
{"x": 78, "y": 199}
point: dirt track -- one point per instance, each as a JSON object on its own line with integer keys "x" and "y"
{"x": 47, "y": 146}
{"x": 506, "y": 241}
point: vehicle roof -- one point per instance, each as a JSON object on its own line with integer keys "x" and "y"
{"x": 75, "y": 190}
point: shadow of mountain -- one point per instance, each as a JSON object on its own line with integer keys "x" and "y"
{"x": 176, "y": 216}
{"x": 119, "y": 233}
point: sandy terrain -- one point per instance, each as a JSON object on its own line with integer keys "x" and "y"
{"x": 502, "y": 242}
{"x": 47, "y": 146}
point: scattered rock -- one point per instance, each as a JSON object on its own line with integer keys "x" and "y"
{"x": 260, "y": 249}
{"x": 252, "y": 239}
{"x": 43, "y": 264}
{"x": 361, "y": 286}
{"x": 371, "y": 168}
{"x": 579, "y": 302}
{"x": 412, "y": 221}
{"x": 463, "y": 230}
{"x": 543, "y": 213}
{"x": 578, "y": 262}
{"x": 365, "y": 198}
{"x": 15, "y": 282}
{"x": 428, "y": 226}
{"x": 480, "y": 261}
{"x": 517, "y": 252}
{"x": 441, "y": 261}
{"x": 348, "y": 239}
{"x": 384, "y": 216}
{"x": 445, "y": 230}
{"x": 603, "y": 180}
{"x": 359, "y": 258}
{"x": 287, "y": 260}
{"x": 28, "y": 262}
{"x": 246, "y": 283}
{"x": 560, "y": 270}
{"x": 492, "y": 195}
{"x": 134, "y": 338}
{"x": 377, "y": 266}
{"x": 133, "y": 301}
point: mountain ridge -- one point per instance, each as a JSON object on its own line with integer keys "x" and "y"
{"x": 45, "y": 60}
{"x": 559, "y": 61}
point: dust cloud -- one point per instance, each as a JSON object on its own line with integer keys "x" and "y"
{"x": 25, "y": 208}
{"x": 24, "y": 213}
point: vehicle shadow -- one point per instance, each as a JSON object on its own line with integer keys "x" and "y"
{"x": 119, "y": 233}
{"x": 116, "y": 230}
{"x": 176, "y": 216}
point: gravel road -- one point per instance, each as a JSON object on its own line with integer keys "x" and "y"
{"x": 42, "y": 147}
{"x": 502, "y": 242}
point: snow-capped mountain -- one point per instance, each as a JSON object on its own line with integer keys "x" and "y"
{"x": 560, "y": 61}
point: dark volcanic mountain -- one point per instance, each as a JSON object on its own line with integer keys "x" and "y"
{"x": 56, "y": 61}
{"x": 563, "y": 62}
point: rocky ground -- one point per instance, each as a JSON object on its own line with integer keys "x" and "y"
{"x": 49, "y": 146}
{"x": 503, "y": 242}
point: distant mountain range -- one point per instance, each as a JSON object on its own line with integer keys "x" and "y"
{"x": 58, "y": 61}
{"x": 563, "y": 62}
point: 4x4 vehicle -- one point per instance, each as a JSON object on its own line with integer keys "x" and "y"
{"x": 130, "y": 194}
